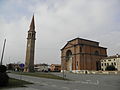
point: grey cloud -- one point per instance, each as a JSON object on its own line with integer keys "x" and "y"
{"x": 60, "y": 21}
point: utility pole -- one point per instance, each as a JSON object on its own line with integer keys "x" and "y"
{"x": 63, "y": 73}
{"x": 3, "y": 52}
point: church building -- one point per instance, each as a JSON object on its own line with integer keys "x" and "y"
{"x": 81, "y": 54}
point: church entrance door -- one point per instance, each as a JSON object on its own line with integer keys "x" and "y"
{"x": 69, "y": 60}
{"x": 69, "y": 64}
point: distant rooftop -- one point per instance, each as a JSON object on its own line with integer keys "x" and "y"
{"x": 110, "y": 57}
{"x": 56, "y": 64}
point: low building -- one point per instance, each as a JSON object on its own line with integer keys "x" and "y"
{"x": 55, "y": 67}
{"x": 41, "y": 67}
{"x": 111, "y": 60}
{"x": 14, "y": 67}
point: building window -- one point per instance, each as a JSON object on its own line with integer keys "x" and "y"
{"x": 77, "y": 63}
{"x": 114, "y": 59}
{"x": 114, "y": 63}
{"x": 111, "y": 63}
{"x": 102, "y": 64}
{"x": 109, "y": 60}
{"x": 105, "y": 64}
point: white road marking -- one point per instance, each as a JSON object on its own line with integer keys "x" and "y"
{"x": 38, "y": 82}
{"x": 88, "y": 82}
{"x": 97, "y": 81}
{"x": 54, "y": 85}
{"x": 44, "y": 84}
{"x": 41, "y": 83}
{"x": 31, "y": 81}
{"x": 77, "y": 81}
{"x": 76, "y": 89}
{"x": 84, "y": 82}
{"x": 94, "y": 83}
{"x": 66, "y": 88}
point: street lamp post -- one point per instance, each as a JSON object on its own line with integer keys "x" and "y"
{"x": 117, "y": 61}
{"x": 63, "y": 71}
{"x": 63, "y": 66}
{"x": 3, "y": 52}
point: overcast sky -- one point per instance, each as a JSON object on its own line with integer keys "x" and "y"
{"x": 57, "y": 21}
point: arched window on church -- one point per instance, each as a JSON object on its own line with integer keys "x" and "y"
{"x": 80, "y": 49}
{"x": 68, "y": 54}
{"x": 96, "y": 53}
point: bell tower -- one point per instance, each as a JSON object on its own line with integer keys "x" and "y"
{"x": 29, "y": 62}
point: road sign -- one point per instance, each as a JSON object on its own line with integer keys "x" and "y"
{"x": 21, "y": 65}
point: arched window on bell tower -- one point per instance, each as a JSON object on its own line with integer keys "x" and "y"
{"x": 29, "y": 35}
{"x": 32, "y": 34}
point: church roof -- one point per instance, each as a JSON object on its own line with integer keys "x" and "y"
{"x": 83, "y": 39}
{"x": 95, "y": 42}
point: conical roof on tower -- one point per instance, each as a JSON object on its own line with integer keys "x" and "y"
{"x": 32, "y": 25}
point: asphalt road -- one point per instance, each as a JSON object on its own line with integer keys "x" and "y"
{"x": 78, "y": 82}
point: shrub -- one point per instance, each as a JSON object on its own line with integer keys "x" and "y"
{"x": 4, "y": 79}
{"x": 10, "y": 67}
{"x": 110, "y": 68}
{"x": 3, "y": 68}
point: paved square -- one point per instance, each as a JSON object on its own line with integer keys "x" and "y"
{"x": 77, "y": 82}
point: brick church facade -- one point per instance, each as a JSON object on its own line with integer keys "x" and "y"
{"x": 81, "y": 54}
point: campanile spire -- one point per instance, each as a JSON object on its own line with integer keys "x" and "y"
{"x": 32, "y": 25}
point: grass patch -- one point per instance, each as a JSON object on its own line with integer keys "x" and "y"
{"x": 13, "y": 83}
{"x": 42, "y": 75}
